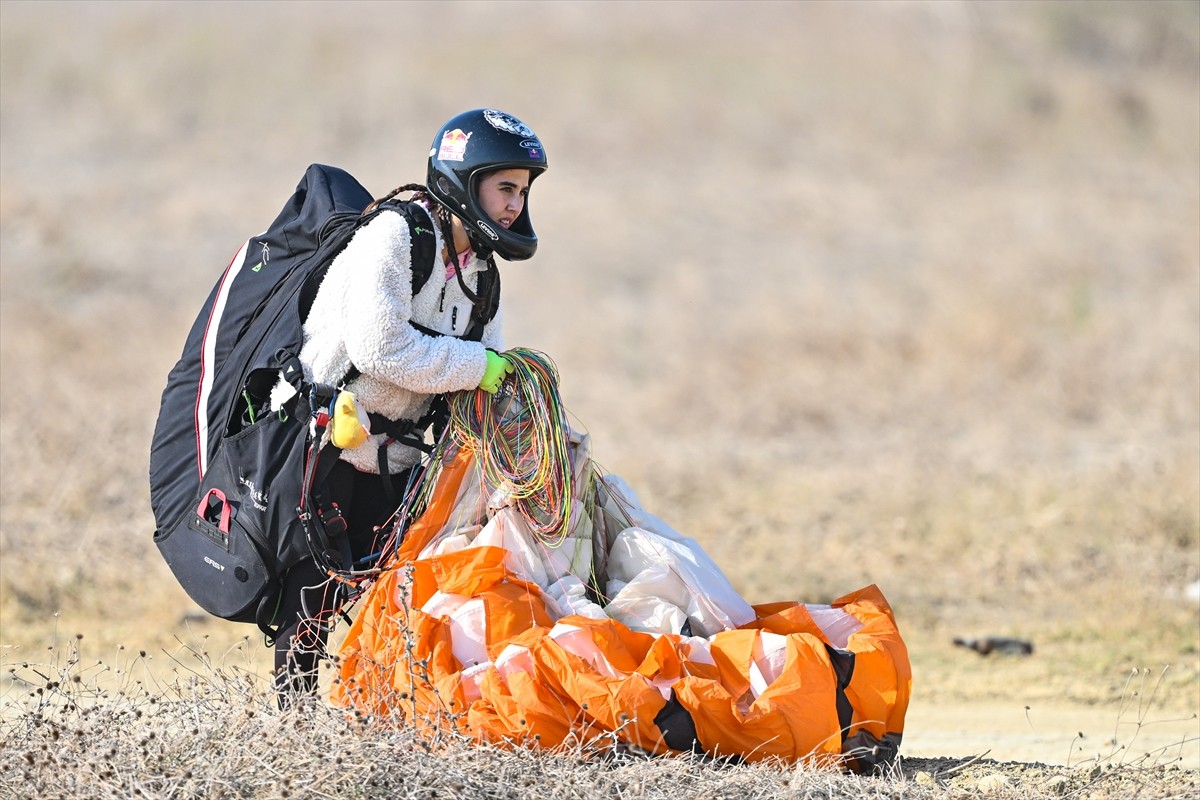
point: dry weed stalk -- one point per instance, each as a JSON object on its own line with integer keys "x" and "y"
{"x": 1113, "y": 766}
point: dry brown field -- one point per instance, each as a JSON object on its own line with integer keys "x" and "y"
{"x": 900, "y": 293}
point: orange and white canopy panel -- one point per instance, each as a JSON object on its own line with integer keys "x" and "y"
{"x": 619, "y": 630}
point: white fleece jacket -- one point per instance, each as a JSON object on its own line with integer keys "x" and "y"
{"x": 360, "y": 316}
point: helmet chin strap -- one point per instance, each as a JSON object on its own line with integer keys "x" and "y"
{"x": 481, "y": 249}
{"x": 476, "y": 242}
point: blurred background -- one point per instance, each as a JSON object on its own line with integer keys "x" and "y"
{"x": 900, "y": 293}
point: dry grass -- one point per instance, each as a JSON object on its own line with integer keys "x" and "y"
{"x": 893, "y": 293}
{"x": 206, "y": 726}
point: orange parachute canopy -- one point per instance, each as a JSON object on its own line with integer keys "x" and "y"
{"x": 481, "y": 627}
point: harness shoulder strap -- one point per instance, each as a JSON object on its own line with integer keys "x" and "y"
{"x": 424, "y": 242}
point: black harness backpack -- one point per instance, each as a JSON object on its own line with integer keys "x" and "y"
{"x": 237, "y": 488}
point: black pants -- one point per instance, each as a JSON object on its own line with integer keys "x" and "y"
{"x": 309, "y": 598}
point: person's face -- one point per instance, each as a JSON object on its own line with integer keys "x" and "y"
{"x": 502, "y": 195}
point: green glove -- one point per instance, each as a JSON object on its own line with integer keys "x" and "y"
{"x": 497, "y": 368}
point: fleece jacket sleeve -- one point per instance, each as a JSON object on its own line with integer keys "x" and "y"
{"x": 377, "y": 308}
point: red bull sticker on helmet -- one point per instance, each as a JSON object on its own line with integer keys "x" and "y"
{"x": 453, "y": 146}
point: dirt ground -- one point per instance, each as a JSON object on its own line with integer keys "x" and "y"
{"x": 852, "y": 293}
{"x": 1048, "y": 734}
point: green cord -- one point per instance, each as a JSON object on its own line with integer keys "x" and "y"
{"x": 249, "y": 405}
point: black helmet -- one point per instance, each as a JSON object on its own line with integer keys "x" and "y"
{"x": 466, "y": 147}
